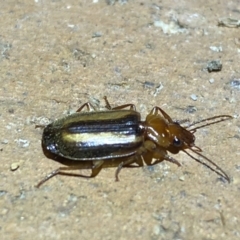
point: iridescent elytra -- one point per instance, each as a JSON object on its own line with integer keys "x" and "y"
{"x": 119, "y": 133}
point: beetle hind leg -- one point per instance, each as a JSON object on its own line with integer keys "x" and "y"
{"x": 96, "y": 168}
{"x": 50, "y": 175}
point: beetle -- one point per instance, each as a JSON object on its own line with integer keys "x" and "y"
{"x": 119, "y": 133}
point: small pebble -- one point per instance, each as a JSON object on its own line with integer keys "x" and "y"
{"x": 211, "y": 80}
{"x": 5, "y": 141}
{"x": 182, "y": 178}
{"x": 235, "y": 83}
{"x": 23, "y": 142}
{"x": 194, "y": 97}
{"x": 14, "y": 166}
{"x": 216, "y": 49}
{"x": 214, "y": 66}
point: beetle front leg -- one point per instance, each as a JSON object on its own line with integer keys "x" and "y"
{"x": 169, "y": 159}
{"x": 161, "y": 155}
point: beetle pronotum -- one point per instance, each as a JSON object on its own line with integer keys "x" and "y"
{"x": 120, "y": 134}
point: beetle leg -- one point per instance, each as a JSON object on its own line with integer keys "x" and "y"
{"x": 172, "y": 160}
{"x": 147, "y": 158}
{"x": 97, "y": 164}
{"x": 130, "y": 105}
{"x": 148, "y": 146}
{"x": 169, "y": 159}
{"x": 108, "y": 106}
{"x": 88, "y": 105}
{"x": 161, "y": 155}
{"x": 63, "y": 171}
{"x": 50, "y": 175}
{"x": 122, "y": 164}
{"x": 146, "y": 150}
{"x": 155, "y": 111}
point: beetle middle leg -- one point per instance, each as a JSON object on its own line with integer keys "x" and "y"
{"x": 160, "y": 155}
{"x": 148, "y": 151}
{"x": 148, "y": 146}
{"x": 108, "y": 106}
{"x": 88, "y": 105}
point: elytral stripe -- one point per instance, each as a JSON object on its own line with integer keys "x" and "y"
{"x": 100, "y": 139}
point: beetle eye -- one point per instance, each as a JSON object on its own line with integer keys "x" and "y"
{"x": 177, "y": 142}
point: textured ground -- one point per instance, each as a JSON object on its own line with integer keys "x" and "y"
{"x": 56, "y": 55}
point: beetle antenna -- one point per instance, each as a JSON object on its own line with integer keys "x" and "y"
{"x": 216, "y": 120}
{"x": 218, "y": 170}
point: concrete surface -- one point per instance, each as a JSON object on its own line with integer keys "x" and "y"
{"x": 56, "y": 55}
